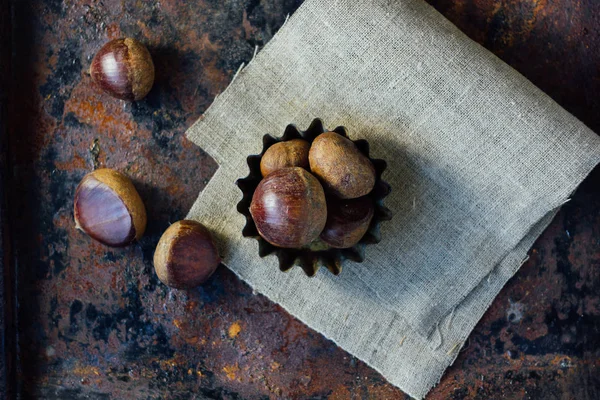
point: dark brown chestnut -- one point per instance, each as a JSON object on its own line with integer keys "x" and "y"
{"x": 288, "y": 208}
{"x": 292, "y": 153}
{"x": 124, "y": 69}
{"x": 186, "y": 255}
{"x": 340, "y": 166}
{"x": 347, "y": 221}
{"x": 109, "y": 209}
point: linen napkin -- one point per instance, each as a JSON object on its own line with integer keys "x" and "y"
{"x": 479, "y": 161}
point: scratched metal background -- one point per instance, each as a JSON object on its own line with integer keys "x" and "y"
{"x": 95, "y": 323}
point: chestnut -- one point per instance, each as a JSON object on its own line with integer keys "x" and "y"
{"x": 288, "y": 208}
{"x": 347, "y": 221}
{"x": 344, "y": 171}
{"x": 186, "y": 255}
{"x": 124, "y": 69}
{"x": 292, "y": 153}
{"x": 109, "y": 209}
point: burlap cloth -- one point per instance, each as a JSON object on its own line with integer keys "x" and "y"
{"x": 479, "y": 162}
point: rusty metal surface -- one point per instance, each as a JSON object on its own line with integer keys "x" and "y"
{"x": 95, "y": 322}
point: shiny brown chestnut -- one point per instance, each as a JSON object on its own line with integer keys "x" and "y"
{"x": 292, "y": 153}
{"x": 288, "y": 208}
{"x": 340, "y": 166}
{"x": 186, "y": 255}
{"x": 124, "y": 69}
{"x": 109, "y": 209}
{"x": 347, "y": 221}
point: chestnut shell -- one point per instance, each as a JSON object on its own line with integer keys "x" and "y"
{"x": 347, "y": 221}
{"x": 186, "y": 255}
{"x": 289, "y": 208}
{"x": 292, "y": 153}
{"x": 342, "y": 169}
{"x": 124, "y": 69}
{"x": 318, "y": 254}
{"x": 108, "y": 208}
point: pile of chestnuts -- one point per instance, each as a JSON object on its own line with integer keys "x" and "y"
{"x": 108, "y": 207}
{"x": 314, "y": 192}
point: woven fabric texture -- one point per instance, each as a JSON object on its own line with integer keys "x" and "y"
{"x": 479, "y": 161}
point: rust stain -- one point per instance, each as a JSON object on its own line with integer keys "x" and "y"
{"x": 174, "y": 190}
{"x": 275, "y": 366}
{"x": 234, "y": 330}
{"x": 92, "y": 111}
{"x": 77, "y": 162}
{"x": 247, "y": 27}
{"x": 191, "y": 305}
{"x": 171, "y": 363}
{"x": 340, "y": 393}
{"x": 230, "y": 371}
{"x": 192, "y": 340}
{"x": 86, "y": 370}
{"x": 562, "y": 361}
{"x": 207, "y": 45}
{"x": 113, "y": 31}
{"x": 538, "y": 9}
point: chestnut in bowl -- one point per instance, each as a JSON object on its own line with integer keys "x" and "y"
{"x": 340, "y": 166}
{"x": 288, "y": 208}
{"x": 293, "y": 153}
{"x": 347, "y": 221}
{"x": 347, "y": 241}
